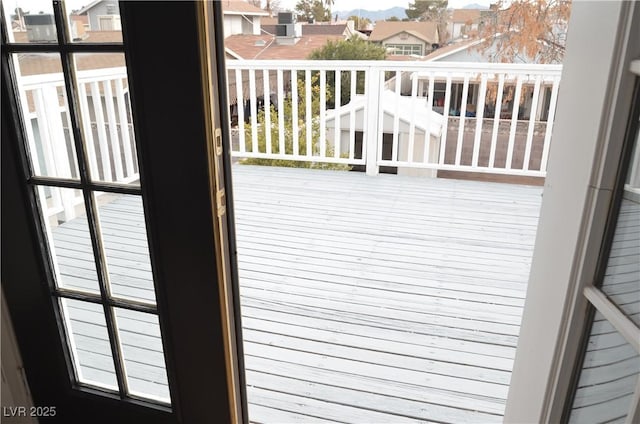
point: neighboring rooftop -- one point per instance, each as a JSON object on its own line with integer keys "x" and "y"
{"x": 466, "y": 15}
{"x": 427, "y": 31}
{"x": 237, "y": 7}
{"x": 265, "y": 47}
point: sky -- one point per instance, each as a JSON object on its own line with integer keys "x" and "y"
{"x": 32, "y": 5}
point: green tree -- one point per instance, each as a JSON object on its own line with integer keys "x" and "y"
{"x": 431, "y": 11}
{"x": 426, "y": 10}
{"x": 312, "y": 9}
{"x": 289, "y": 146}
{"x": 359, "y": 22}
{"x": 393, "y": 19}
{"x": 354, "y": 48}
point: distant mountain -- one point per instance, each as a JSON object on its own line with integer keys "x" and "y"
{"x": 374, "y": 15}
{"x": 476, "y": 6}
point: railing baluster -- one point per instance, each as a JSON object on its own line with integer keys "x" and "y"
{"x": 294, "y": 112}
{"x": 103, "y": 144}
{"x": 496, "y": 121}
{"x": 113, "y": 130}
{"x": 514, "y": 122}
{"x": 550, "y": 117}
{"x": 463, "y": 112}
{"x": 127, "y": 137}
{"x": 88, "y": 131}
{"x": 281, "y": 133}
{"x": 266, "y": 90}
{"x": 532, "y": 123}
{"x": 412, "y": 125}
{"x": 253, "y": 108}
{"x": 427, "y": 134}
{"x": 479, "y": 120}
{"x": 323, "y": 109}
{"x": 396, "y": 116}
{"x": 378, "y": 134}
{"x": 308, "y": 118}
{"x": 352, "y": 116}
{"x": 240, "y": 108}
{"x": 46, "y": 138}
{"x": 445, "y": 124}
{"x": 337, "y": 121}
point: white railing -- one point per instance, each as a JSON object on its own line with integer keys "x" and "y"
{"x": 106, "y": 125}
{"x": 413, "y": 116}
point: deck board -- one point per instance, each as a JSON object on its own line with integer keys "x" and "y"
{"x": 364, "y": 299}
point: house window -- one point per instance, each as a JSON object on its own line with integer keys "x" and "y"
{"x": 109, "y": 23}
{"x": 404, "y": 49}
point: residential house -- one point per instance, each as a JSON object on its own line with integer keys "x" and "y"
{"x": 241, "y": 17}
{"x": 406, "y": 38}
{"x": 101, "y": 15}
{"x": 463, "y": 22}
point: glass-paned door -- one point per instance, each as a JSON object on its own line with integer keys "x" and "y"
{"x": 607, "y": 387}
{"x": 81, "y": 166}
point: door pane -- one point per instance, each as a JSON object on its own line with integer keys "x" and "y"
{"x": 124, "y": 239}
{"x": 68, "y": 237}
{"x": 97, "y": 22}
{"x": 621, "y": 282}
{"x": 608, "y": 378}
{"x": 30, "y": 21}
{"x": 143, "y": 354}
{"x": 44, "y": 106}
{"x": 89, "y": 342}
{"x": 103, "y": 96}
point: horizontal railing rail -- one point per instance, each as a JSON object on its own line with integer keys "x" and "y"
{"x": 411, "y": 116}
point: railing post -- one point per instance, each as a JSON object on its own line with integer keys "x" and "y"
{"x": 371, "y": 135}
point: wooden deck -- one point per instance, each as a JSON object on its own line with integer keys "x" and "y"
{"x": 364, "y": 299}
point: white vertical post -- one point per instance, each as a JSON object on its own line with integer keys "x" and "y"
{"x": 396, "y": 116}
{"x": 514, "y": 122}
{"x": 445, "y": 125}
{"x": 323, "y": 108}
{"x": 43, "y": 113}
{"x": 48, "y": 109}
{"x": 427, "y": 134}
{"x": 463, "y": 112}
{"x": 496, "y": 121}
{"x": 479, "y": 118}
{"x": 113, "y": 130}
{"x": 127, "y": 137}
{"x": 281, "y": 134}
{"x": 105, "y": 157}
{"x": 85, "y": 116}
{"x": 532, "y": 123}
{"x": 352, "y": 116}
{"x": 266, "y": 90}
{"x": 412, "y": 124}
{"x": 372, "y": 135}
{"x": 308, "y": 118}
{"x": 253, "y": 99}
{"x": 337, "y": 120}
{"x": 240, "y": 105}
{"x": 550, "y": 117}
{"x": 294, "y": 112}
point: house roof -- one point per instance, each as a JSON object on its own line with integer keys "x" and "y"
{"x": 90, "y": 6}
{"x": 238, "y": 7}
{"x": 427, "y": 31}
{"x": 265, "y": 47}
{"x": 445, "y": 51}
{"x": 465, "y": 15}
{"x": 390, "y": 103}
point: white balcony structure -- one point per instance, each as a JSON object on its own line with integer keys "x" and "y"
{"x": 366, "y": 298}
